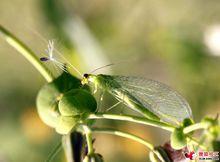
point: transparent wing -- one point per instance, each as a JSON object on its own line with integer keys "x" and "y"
{"x": 160, "y": 99}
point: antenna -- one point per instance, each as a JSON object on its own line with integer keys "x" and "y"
{"x": 111, "y": 64}
{"x": 102, "y": 67}
{"x": 74, "y": 68}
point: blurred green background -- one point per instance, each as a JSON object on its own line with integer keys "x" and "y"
{"x": 175, "y": 42}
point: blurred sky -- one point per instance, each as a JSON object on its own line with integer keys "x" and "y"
{"x": 175, "y": 42}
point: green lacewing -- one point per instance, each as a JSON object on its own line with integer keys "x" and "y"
{"x": 151, "y": 98}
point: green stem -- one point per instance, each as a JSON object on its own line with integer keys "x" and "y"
{"x": 145, "y": 121}
{"x": 88, "y": 134}
{"x": 27, "y": 53}
{"x": 194, "y": 127}
{"x": 135, "y": 119}
{"x": 123, "y": 134}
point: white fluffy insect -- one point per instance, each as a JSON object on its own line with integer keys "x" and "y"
{"x": 50, "y": 51}
{"x": 51, "y": 58}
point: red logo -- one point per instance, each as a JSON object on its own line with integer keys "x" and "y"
{"x": 202, "y": 155}
{"x": 190, "y": 155}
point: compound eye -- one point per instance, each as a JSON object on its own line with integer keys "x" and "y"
{"x": 86, "y": 75}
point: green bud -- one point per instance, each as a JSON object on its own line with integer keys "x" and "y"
{"x": 49, "y": 96}
{"x": 178, "y": 139}
{"x": 77, "y": 102}
{"x": 47, "y": 104}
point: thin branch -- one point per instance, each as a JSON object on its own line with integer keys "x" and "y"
{"x": 88, "y": 134}
{"x": 135, "y": 119}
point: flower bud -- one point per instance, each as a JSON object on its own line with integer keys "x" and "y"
{"x": 77, "y": 102}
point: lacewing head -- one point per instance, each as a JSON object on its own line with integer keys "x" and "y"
{"x": 44, "y": 59}
{"x": 85, "y": 79}
{"x": 86, "y": 75}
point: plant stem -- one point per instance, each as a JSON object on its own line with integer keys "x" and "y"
{"x": 88, "y": 134}
{"x": 27, "y": 53}
{"x": 145, "y": 121}
{"x": 68, "y": 148}
{"x": 135, "y": 119}
{"x": 194, "y": 127}
{"x": 123, "y": 134}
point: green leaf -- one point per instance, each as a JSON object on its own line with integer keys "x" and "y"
{"x": 178, "y": 139}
